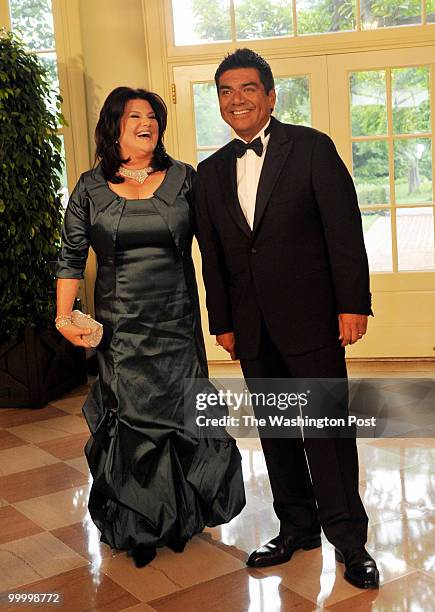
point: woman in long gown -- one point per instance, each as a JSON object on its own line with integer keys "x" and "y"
{"x": 154, "y": 482}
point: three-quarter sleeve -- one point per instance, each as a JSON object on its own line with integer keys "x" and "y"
{"x": 75, "y": 235}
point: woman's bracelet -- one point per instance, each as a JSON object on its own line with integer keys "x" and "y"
{"x": 62, "y": 320}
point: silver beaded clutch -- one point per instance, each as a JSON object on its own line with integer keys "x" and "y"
{"x": 85, "y": 320}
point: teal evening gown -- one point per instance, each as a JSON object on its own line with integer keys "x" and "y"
{"x": 154, "y": 481}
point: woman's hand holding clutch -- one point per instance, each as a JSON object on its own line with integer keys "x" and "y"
{"x": 79, "y": 329}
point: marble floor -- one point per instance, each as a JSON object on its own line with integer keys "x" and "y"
{"x": 48, "y": 543}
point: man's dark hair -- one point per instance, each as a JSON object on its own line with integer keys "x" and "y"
{"x": 246, "y": 58}
{"x": 109, "y": 126}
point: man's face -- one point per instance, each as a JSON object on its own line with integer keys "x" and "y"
{"x": 243, "y": 101}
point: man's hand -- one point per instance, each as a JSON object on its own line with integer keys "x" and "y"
{"x": 352, "y": 327}
{"x": 228, "y": 342}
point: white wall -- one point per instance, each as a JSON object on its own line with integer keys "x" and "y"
{"x": 113, "y": 40}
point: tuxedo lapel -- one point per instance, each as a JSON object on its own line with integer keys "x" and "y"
{"x": 227, "y": 171}
{"x": 277, "y": 152}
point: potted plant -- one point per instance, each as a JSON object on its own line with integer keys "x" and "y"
{"x": 36, "y": 363}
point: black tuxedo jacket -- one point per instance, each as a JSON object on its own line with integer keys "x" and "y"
{"x": 305, "y": 260}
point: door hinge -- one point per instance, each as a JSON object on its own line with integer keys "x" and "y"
{"x": 174, "y": 93}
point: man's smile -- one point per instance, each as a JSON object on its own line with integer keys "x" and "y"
{"x": 239, "y": 113}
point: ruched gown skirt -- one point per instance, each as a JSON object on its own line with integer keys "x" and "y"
{"x": 153, "y": 481}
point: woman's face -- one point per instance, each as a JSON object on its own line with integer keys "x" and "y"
{"x": 139, "y": 130}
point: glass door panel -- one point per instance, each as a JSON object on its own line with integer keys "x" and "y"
{"x": 415, "y": 239}
{"x": 377, "y": 238}
{"x": 382, "y": 119}
{"x": 211, "y": 130}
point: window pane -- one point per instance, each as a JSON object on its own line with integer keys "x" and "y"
{"x": 430, "y": 11}
{"x": 50, "y": 63}
{"x": 200, "y": 21}
{"x": 370, "y": 171}
{"x": 293, "y": 100}
{"x": 263, "y": 19}
{"x": 377, "y": 238}
{"x": 34, "y": 20}
{"x": 368, "y": 103}
{"x": 375, "y": 14}
{"x": 317, "y": 16}
{"x": 211, "y": 129}
{"x": 413, "y": 170}
{"x": 411, "y": 100}
{"x": 415, "y": 238}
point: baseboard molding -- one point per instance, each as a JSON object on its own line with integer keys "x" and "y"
{"x": 373, "y": 360}
{"x": 356, "y": 366}
{"x": 370, "y": 360}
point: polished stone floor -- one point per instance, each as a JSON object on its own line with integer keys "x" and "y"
{"x": 48, "y": 543}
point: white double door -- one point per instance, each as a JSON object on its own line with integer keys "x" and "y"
{"x": 379, "y": 108}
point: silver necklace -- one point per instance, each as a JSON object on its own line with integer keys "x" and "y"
{"x": 139, "y": 175}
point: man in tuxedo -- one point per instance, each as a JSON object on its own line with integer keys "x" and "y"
{"x": 287, "y": 283}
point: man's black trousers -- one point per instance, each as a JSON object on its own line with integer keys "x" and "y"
{"x": 314, "y": 480}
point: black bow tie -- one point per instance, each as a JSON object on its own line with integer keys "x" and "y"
{"x": 241, "y": 147}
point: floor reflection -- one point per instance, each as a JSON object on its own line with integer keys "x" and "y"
{"x": 48, "y": 541}
{"x": 264, "y": 594}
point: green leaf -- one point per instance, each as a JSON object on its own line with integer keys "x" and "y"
{"x": 30, "y": 223}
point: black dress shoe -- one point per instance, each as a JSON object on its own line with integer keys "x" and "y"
{"x": 361, "y": 570}
{"x": 143, "y": 555}
{"x": 177, "y": 545}
{"x": 280, "y": 549}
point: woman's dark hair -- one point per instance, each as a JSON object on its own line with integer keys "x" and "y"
{"x": 109, "y": 127}
{"x": 246, "y": 58}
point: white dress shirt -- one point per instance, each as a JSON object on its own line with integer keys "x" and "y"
{"x": 248, "y": 175}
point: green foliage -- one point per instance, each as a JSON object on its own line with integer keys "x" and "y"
{"x": 212, "y": 19}
{"x": 372, "y": 194}
{"x": 411, "y": 106}
{"x": 411, "y": 110}
{"x": 254, "y": 19}
{"x": 368, "y": 94}
{"x": 410, "y": 114}
{"x": 265, "y": 19}
{"x": 369, "y": 120}
{"x": 30, "y": 204}
{"x": 370, "y": 170}
{"x": 381, "y": 13}
{"x": 321, "y": 16}
{"x": 293, "y": 100}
